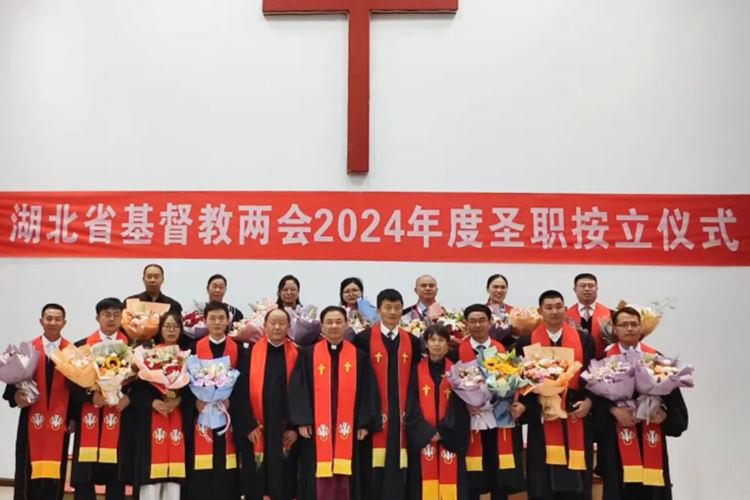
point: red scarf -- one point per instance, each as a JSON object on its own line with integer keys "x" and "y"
{"x": 553, "y": 431}
{"x": 439, "y": 477}
{"x": 504, "y": 436}
{"x": 379, "y": 359}
{"x": 600, "y": 312}
{"x": 99, "y": 446}
{"x": 204, "y": 446}
{"x": 47, "y": 420}
{"x": 648, "y": 470}
{"x": 257, "y": 380}
{"x": 333, "y": 450}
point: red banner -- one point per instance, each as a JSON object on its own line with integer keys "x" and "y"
{"x": 704, "y": 230}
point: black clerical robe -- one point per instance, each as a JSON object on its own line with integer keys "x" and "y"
{"x": 218, "y": 482}
{"x": 389, "y": 482}
{"x": 302, "y": 413}
{"x": 554, "y": 482}
{"x": 609, "y": 463}
{"x": 86, "y": 474}
{"x": 453, "y": 429}
{"x": 275, "y": 475}
{"x": 160, "y": 299}
{"x": 143, "y": 396}
{"x": 26, "y": 488}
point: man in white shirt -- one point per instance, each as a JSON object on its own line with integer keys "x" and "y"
{"x": 42, "y": 448}
{"x": 588, "y": 312}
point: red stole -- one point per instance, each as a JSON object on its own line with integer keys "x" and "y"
{"x": 379, "y": 359}
{"x": 204, "y": 446}
{"x": 439, "y": 467}
{"x": 650, "y": 469}
{"x": 600, "y": 312}
{"x": 99, "y": 442}
{"x": 257, "y": 380}
{"x": 504, "y": 436}
{"x": 167, "y": 445}
{"x": 334, "y": 447}
{"x": 553, "y": 432}
{"x": 47, "y": 420}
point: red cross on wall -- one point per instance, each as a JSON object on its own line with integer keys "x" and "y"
{"x": 358, "y": 127}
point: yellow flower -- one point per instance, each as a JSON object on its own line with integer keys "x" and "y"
{"x": 491, "y": 364}
{"x": 113, "y": 362}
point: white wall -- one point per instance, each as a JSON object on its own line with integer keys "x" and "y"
{"x": 546, "y": 96}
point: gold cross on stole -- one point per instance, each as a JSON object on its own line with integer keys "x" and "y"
{"x": 348, "y": 366}
{"x": 426, "y": 390}
{"x": 378, "y": 356}
{"x": 321, "y": 369}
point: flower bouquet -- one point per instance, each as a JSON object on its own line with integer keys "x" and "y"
{"x": 548, "y": 371}
{"x": 455, "y": 322}
{"x": 140, "y": 320}
{"x": 250, "y": 329}
{"x": 468, "y": 382}
{"x": 657, "y": 376}
{"x": 435, "y": 312}
{"x": 504, "y": 377}
{"x": 17, "y": 367}
{"x": 212, "y": 381}
{"x": 77, "y": 364}
{"x": 416, "y": 326}
{"x": 500, "y": 324}
{"x": 164, "y": 367}
{"x": 194, "y": 323}
{"x": 305, "y": 328}
{"x": 524, "y": 320}
{"x": 112, "y": 361}
{"x": 368, "y": 311}
{"x": 612, "y": 378}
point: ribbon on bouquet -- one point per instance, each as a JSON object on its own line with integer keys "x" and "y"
{"x": 30, "y": 390}
{"x": 215, "y": 410}
{"x": 646, "y": 405}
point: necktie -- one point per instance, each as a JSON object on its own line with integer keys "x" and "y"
{"x": 480, "y": 348}
{"x": 391, "y": 335}
{"x": 587, "y": 313}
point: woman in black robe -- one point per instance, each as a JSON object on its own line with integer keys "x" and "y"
{"x": 450, "y": 432}
{"x": 148, "y": 401}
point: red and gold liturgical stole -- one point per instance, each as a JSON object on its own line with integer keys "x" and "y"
{"x": 167, "y": 445}
{"x": 204, "y": 445}
{"x": 439, "y": 467}
{"x": 650, "y": 469}
{"x": 600, "y": 312}
{"x": 333, "y": 449}
{"x": 47, "y": 424}
{"x": 504, "y": 436}
{"x": 99, "y": 446}
{"x": 379, "y": 359}
{"x": 257, "y": 380}
{"x": 553, "y": 432}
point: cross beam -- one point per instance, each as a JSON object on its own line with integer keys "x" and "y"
{"x": 358, "y": 126}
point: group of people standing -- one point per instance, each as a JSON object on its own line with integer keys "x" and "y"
{"x": 371, "y": 419}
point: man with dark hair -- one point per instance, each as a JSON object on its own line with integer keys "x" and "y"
{"x": 392, "y": 352}
{"x": 269, "y": 452}
{"x": 213, "y": 470}
{"x": 153, "y": 279}
{"x": 632, "y": 456}
{"x": 42, "y": 437}
{"x": 102, "y": 449}
{"x": 588, "y": 312}
{"x": 551, "y": 476}
{"x": 493, "y": 461}
{"x": 333, "y": 398}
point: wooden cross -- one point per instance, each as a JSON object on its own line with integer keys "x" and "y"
{"x": 378, "y": 356}
{"x": 405, "y": 356}
{"x": 347, "y": 366}
{"x": 321, "y": 369}
{"x": 426, "y": 390}
{"x": 358, "y": 128}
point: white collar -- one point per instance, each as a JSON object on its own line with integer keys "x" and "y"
{"x": 275, "y": 345}
{"x": 386, "y": 332}
{"x": 217, "y": 342}
{"x": 555, "y": 337}
{"x": 103, "y": 336}
{"x": 333, "y": 346}
{"x": 48, "y": 342}
{"x": 624, "y": 349}
{"x": 582, "y": 308}
{"x": 474, "y": 344}
{"x": 422, "y": 308}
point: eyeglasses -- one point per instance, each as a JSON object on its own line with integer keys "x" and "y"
{"x": 171, "y": 328}
{"x": 628, "y": 325}
{"x": 111, "y": 315}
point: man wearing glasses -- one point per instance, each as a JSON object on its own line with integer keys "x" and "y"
{"x": 588, "y": 312}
